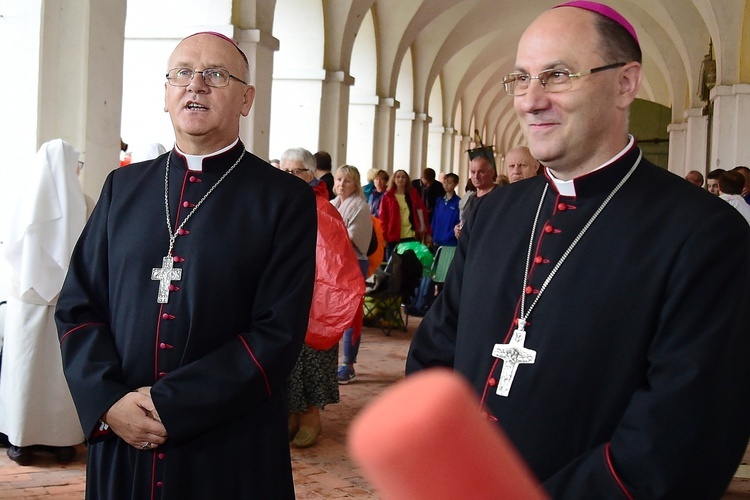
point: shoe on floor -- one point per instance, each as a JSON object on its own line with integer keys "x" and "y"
{"x": 306, "y": 437}
{"x": 293, "y": 425}
{"x": 21, "y": 455}
{"x": 345, "y": 374}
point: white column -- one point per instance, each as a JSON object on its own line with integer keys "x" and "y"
{"x": 464, "y": 142}
{"x": 385, "y": 124}
{"x": 259, "y": 47}
{"x": 731, "y": 126}
{"x": 334, "y": 117}
{"x": 74, "y": 87}
{"x": 696, "y": 141}
{"x": 677, "y": 162}
{"x": 447, "y": 151}
{"x": 434, "y": 158}
{"x": 361, "y": 131}
{"x": 419, "y": 134}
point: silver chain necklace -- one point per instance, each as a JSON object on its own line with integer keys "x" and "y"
{"x": 514, "y": 353}
{"x": 167, "y": 273}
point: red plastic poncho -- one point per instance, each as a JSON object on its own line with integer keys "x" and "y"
{"x": 339, "y": 285}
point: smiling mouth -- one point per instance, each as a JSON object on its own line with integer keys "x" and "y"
{"x": 194, "y": 106}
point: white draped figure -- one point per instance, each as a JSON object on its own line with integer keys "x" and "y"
{"x": 36, "y": 407}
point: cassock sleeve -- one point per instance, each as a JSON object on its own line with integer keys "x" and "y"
{"x": 693, "y": 401}
{"x": 235, "y": 378}
{"x": 434, "y": 342}
{"x": 90, "y": 360}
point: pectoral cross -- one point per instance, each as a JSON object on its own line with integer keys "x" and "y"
{"x": 165, "y": 275}
{"x": 513, "y": 354}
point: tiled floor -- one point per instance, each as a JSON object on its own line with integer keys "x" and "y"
{"x": 320, "y": 472}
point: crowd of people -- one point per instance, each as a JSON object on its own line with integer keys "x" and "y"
{"x": 180, "y": 335}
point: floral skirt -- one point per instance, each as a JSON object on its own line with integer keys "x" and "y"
{"x": 313, "y": 379}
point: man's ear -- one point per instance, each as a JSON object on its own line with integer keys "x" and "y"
{"x": 629, "y": 83}
{"x": 247, "y": 99}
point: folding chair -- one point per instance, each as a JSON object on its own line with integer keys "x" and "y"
{"x": 383, "y": 297}
{"x": 398, "y": 281}
{"x": 441, "y": 264}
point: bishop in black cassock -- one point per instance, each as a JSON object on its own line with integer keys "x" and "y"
{"x": 640, "y": 369}
{"x": 217, "y": 354}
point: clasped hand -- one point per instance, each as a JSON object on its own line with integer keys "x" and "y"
{"x": 134, "y": 418}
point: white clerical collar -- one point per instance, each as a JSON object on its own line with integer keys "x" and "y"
{"x": 195, "y": 162}
{"x": 568, "y": 188}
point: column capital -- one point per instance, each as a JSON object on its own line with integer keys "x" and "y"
{"x": 339, "y": 77}
{"x": 389, "y": 102}
{"x": 257, "y": 36}
{"x": 423, "y": 117}
{"x": 676, "y": 127}
{"x": 692, "y": 113}
{"x": 728, "y": 90}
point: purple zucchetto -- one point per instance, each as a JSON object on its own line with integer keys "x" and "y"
{"x": 605, "y": 11}
{"x": 223, "y": 37}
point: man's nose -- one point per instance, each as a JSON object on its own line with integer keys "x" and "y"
{"x": 197, "y": 83}
{"x": 534, "y": 99}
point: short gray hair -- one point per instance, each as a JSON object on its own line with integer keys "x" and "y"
{"x": 301, "y": 155}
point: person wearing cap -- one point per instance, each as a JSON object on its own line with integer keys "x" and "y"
{"x": 594, "y": 340}
{"x": 186, "y": 303}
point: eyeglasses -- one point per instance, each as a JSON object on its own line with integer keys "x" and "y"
{"x": 213, "y": 77}
{"x": 296, "y": 171}
{"x": 552, "y": 80}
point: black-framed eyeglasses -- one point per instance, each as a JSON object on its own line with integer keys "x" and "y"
{"x": 552, "y": 80}
{"x": 213, "y": 77}
{"x": 296, "y": 171}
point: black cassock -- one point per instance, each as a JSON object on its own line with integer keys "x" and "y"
{"x": 642, "y": 342}
{"x": 218, "y": 352}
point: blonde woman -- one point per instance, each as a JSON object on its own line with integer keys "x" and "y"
{"x": 350, "y": 202}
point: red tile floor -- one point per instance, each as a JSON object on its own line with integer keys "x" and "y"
{"x": 322, "y": 471}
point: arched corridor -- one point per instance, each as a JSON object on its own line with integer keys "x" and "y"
{"x": 377, "y": 83}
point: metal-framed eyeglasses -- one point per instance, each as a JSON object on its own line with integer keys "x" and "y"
{"x": 296, "y": 171}
{"x": 213, "y": 77}
{"x": 552, "y": 80}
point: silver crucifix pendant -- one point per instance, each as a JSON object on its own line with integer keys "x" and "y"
{"x": 165, "y": 275}
{"x": 513, "y": 354}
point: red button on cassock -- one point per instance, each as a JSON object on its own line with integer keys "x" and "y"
{"x": 493, "y": 382}
{"x": 538, "y": 259}
{"x": 529, "y": 290}
{"x": 548, "y": 228}
{"x": 562, "y": 206}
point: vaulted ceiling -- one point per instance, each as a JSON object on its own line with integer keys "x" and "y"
{"x": 468, "y": 45}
